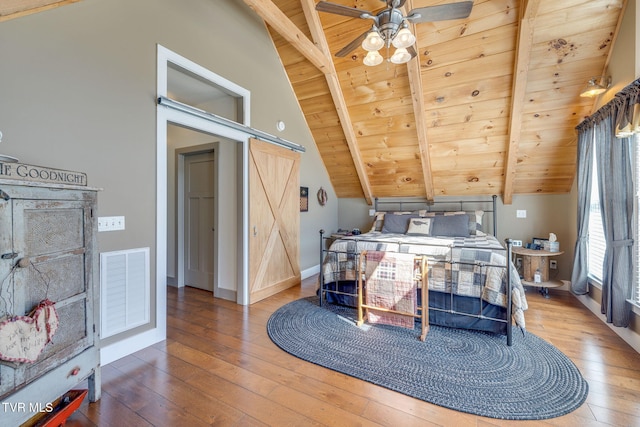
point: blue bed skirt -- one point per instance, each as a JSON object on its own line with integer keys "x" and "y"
{"x": 442, "y": 301}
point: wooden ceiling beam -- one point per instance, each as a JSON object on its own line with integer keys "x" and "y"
{"x": 417, "y": 98}
{"x": 273, "y": 16}
{"x": 318, "y": 54}
{"x": 528, "y": 12}
{"x": 317, "y": 33}
{"x": 18, "y": 8}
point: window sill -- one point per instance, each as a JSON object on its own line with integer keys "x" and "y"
{"x": 595, "y": 282}
{"x": 635, "y": 307}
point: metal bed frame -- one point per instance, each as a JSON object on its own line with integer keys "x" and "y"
{"x": 449, "y": 205}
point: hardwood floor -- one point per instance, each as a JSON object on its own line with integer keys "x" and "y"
{"x": 219, "y": 367}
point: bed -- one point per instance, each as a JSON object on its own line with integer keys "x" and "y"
{"x": 468, "y": 268}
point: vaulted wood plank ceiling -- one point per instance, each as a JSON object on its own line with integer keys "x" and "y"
{"x": 488, "y": 106}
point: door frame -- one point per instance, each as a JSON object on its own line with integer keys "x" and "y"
{"x": 181, "y": 153}
{"x": 164, "y": 117}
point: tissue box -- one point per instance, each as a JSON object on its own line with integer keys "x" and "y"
{"x": 551, "y": 246}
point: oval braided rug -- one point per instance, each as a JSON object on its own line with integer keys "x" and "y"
{"x": 467, "y": 371}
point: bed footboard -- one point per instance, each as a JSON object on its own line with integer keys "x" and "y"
{"x": 345, "y": 289}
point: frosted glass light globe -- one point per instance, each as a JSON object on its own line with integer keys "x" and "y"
{"x": 403, "y": 39}
{"x": 400, "y": 56}
{"x": 373, "y": 41}
{"x": 373, "y": 58}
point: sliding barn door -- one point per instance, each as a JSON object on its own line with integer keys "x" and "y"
{"x": 274, "y": 219}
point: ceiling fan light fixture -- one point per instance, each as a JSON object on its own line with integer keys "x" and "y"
{"x": 400, "y": 56}
{"x": 403, "y": 39}
{"x": 596, "y": 86}
{"x": 373, "y": 41}
{"x": 373, "y": 58}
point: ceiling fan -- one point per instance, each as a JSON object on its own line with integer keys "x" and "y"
{"x": 390, "y": 26}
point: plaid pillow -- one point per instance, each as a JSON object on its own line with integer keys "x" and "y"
{"x": 475, "y": 223}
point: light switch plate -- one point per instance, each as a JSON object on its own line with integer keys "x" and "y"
{"x": 521, "y": 213}
{"x": 110, "y": 223}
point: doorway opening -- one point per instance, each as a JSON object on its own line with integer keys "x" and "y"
{"x": 204, "y": 205}
{"x": 223, "y": 264}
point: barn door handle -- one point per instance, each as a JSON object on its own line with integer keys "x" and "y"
{"x": 255, "y": 230}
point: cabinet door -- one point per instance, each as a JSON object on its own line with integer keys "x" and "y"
{"x": 54, "y": 240}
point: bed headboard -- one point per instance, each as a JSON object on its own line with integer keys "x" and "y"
{"x": 445, "y": 204}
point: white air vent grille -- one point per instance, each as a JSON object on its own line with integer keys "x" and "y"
{"x": 124, "y": 284}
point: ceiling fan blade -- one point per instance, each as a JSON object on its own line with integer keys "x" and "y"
{"x": 338, "y": 9}
{"x": 354, "y": 44}
{"x": 441, "y": 12}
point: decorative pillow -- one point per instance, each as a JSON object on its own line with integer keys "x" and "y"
{"x": 450, "y": 226}
{"x": 378, "y": 222}
{"x": 397, "y": 223}
{"x": 419, "y": 227}
{"x": 475, "y": 223}
{"x": 475, "y": 220}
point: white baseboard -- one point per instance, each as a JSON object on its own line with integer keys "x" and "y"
{"x": 127, "y": 346}
{"x": 310, "y": 272}
{"x": 631, "y": 337}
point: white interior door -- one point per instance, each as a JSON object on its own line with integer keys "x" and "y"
{"x": 199, "y": 219}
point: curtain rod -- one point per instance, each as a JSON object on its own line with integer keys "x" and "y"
{"x": 258, "y": 134}
{"x": 627, "y": 97}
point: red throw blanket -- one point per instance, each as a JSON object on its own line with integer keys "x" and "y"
{"x": 390, "y": 284}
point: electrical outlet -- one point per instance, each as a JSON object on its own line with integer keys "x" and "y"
{"x": 110, "y": 223}
{"x": 518, "y": 262}
{"x": 521, "y": 213}
{"x": 553, "y": 264}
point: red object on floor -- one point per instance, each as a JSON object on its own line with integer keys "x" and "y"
{"x": 62, "y": 409}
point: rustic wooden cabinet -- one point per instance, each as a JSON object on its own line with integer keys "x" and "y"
{"x": 48, "y": 251}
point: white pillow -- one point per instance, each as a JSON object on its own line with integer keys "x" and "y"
{"x": 419, "y": 227}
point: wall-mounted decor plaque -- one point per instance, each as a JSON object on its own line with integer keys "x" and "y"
{"x": 31, "y": 173}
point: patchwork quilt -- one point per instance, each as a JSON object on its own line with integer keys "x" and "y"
{"x": 471, "y": 266}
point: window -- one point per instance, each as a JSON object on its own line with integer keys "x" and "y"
{"x": 597, "y": 242}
